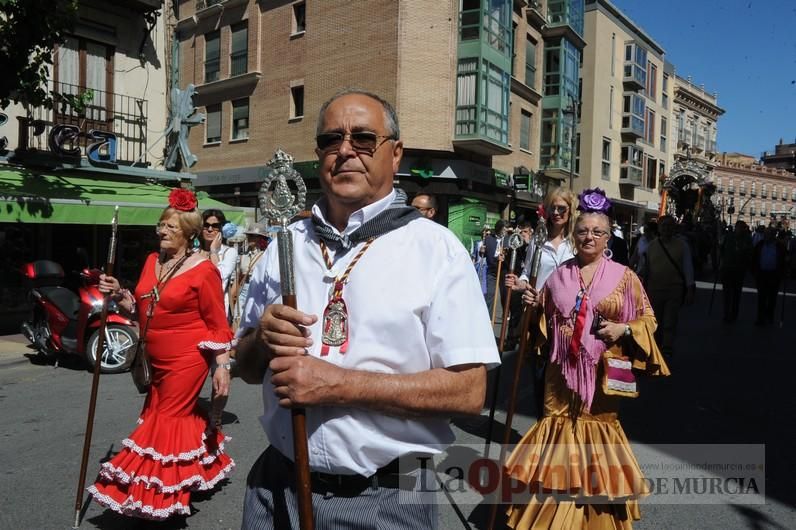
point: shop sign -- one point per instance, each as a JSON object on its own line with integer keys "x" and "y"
{"x": 521, "y": 182}
{"x": 502, "y": 179}
{"x": 63, "y": 140}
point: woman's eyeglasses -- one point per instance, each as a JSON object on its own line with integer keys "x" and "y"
{"x": 365, "y": 142}
{"x": 212, "y": 226}
{"x": 560, "y": 210}
{"x": 164, "y": 227}
{"x": 582, "y": 233}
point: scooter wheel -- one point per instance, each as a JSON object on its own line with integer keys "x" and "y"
{"x": 117, "y": 355}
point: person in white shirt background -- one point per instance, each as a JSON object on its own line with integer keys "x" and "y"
{"x": 418, "y": 338}
{"x": 558, "y": 207}
{"x": 215, "y": 248}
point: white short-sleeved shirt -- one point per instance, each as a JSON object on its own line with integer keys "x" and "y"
{"x": 413, "y": 304}
{"x": 551, "y": 259}
{"x": 227, "y": 259}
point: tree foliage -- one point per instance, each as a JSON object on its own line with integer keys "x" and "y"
{"x": 29, "y": 31}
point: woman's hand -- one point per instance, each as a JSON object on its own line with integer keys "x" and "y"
{"x": 514, "y": 284}
{"x": 530, "y": 297}
{"x": 221, "y": 378}
{"x": 215, "y": 246}
{"x": 108, "y": 285}
{"x": 610, "y": 332}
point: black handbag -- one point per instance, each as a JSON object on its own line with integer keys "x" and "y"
{"x": 142, "y": 368}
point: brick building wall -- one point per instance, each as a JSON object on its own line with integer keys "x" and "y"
{"x": 335, "y": 51}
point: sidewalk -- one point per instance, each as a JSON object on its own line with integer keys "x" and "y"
{"x": 13, "y": 349}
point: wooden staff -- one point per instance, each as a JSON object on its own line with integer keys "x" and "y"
{"x": 527, "y": 336}
{"x": 281, "y": 206}
{"x": 515, "y": 242}
{"x": 92, "y": 401}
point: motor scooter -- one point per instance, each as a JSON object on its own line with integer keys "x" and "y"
{"x": 67, "y": 323}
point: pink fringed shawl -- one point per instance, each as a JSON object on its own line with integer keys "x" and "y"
{"x": 562, "y": 287}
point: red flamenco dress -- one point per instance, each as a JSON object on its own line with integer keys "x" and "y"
{"x": 172, "y": 452}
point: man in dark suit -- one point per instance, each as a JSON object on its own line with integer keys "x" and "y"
{"x": 768, "y": 264}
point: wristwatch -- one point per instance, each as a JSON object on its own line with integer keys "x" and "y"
{"x": 227, "y": 365}
{"x": 628, "y": 332}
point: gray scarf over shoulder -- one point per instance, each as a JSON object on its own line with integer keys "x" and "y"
{"x": 395, "y": 216}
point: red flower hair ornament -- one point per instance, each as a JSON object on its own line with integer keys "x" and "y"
{"x": 183, "y": 200}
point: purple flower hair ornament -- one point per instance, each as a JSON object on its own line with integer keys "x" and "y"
{"x": 594, "y": 201}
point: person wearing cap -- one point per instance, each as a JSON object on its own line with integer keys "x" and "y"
{"x": 256, "y": 243}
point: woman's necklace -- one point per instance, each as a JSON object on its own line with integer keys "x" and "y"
{"x": 170, "y": 264}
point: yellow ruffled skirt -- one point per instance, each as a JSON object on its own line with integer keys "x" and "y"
{"x": 574, "y": 476}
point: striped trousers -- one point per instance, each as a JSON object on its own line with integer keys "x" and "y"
{"x": 270, "y": 502}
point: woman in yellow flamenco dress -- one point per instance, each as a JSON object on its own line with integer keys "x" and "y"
{"x": 575, "y": 464}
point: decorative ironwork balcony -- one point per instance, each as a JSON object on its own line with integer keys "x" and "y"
{"x": 239, "y": 63}
{"x": 122, "y": 115}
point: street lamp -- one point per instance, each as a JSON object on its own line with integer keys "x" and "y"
{"x": 731, "y": 208}
{"x": 572, "y": 110}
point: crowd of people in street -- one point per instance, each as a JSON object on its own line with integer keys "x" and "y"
{"x": 381, "y": 352}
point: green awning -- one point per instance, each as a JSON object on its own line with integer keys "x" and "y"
{"x": 29, "y": 196}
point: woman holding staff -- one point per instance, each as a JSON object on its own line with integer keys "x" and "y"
{"x": 576, "y": 462}
{"x": 175, "y": 449}
{"x": 558, "y": 210}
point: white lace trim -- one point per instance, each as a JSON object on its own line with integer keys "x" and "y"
{"x": 194, "y": 483}
{"x": 216, "y": 346}
{"x": 187, "y": 455}
{"x": 137, "y": 508}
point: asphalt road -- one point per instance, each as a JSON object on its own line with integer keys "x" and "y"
{"x": 731, "y": 385}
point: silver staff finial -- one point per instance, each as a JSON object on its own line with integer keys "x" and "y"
{"x": 515, "y": 241}
{"x": 279, "y": 204}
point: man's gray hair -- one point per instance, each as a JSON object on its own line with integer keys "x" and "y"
{"x": 390, "y": 118}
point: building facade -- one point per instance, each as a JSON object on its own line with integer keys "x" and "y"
{"x": 114, "y": 59}
{"x": 753, "y": 193}
{"x": 695, "y": 114}
{"x": 784, "y": 157}
{"x": 625, "y": 115}
{"x": 64, "y": 170}
{"x": 480, "y": 87}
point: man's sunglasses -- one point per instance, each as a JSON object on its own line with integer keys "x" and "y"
{"x": 361, "y": 141}
{"x": 212, "y": 226}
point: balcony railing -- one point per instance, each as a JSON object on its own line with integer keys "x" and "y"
{"x": 239, "y": 63}
{"x": 530, "y": 75}
{"x": 122, "y": 115}
{"x": 632, "y": 125}
{"x": 212, "y": 70}
{"x": 204, "y": 4}
{"x": 635, "y": 77}
{"x": 630, "y": 175}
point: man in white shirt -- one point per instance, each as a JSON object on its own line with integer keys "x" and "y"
{"x": 417, "y": 338}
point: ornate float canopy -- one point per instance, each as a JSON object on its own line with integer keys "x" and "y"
{"x": 687, "y": 191}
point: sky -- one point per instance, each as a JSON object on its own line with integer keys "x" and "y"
{"x": 744, "y": 50}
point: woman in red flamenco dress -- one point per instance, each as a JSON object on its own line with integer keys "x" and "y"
{"x": 174, "y": 450}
